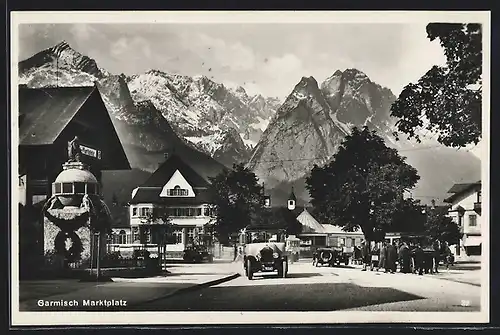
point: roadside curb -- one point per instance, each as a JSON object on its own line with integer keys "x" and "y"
{"x": 190, "y": 288}
{"x": 458, "y": 281}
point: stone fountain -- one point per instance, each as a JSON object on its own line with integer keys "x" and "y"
{"x": 76, "y": 218}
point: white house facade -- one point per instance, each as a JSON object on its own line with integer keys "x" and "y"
{"x": 465, "y": 210}
{"x": 174, "y": 191}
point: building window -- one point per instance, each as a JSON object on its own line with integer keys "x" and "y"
{"x": 136, "y": 235}
{"x": 178, "y": 236}
{"x": 144, "y": 211}
{"x": 177, "y": 191}
{"x": 57, "y": 188}
{"x": 184, "y": 211}
{"x": 67, "y": 188}
{"x": 120, "y": 238}
{"x": 472, "y": 220}
{"x": 479, "y": 196}
{"x": 80, "y": 188}
{"x": 191, "y": 233}
{"x": 357, "y": 241}
{"x": 134, "y": 211}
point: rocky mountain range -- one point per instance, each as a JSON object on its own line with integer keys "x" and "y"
{"x": 213, "y": 126}
{"x": 314, "y": 119}
{"x": 221, "y": 122}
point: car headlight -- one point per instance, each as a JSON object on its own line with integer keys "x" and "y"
{"x": 276, "y": 255}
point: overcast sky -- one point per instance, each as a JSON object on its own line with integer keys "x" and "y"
{"x": 263, "y": 58}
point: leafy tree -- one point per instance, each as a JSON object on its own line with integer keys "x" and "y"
{"x": 409, "y": 217}
{"x": 161, "y": 228}
{"x": 237, "y": 200}
{"x": 440, "y": 227}
{"x": 362, "y": 187}
{"x": 281, "y": 218}
{"x": 447, "y": 99}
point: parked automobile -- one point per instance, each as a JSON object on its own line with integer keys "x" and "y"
{"x": 330, "y": 256}
{"x": 265, "y": 257}
{"x": 197, "y": 254}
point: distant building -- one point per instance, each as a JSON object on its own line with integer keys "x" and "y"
{"x": 465, "y": 210}
{"x": 176, "y": 190}
{"x": 315, "y": 235}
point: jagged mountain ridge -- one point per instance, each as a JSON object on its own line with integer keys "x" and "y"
{"x": 314, "y": 119}
{"x": 181, "y": 100}
{"x": 204, "y": 112}
{"x": 145, "y": 134}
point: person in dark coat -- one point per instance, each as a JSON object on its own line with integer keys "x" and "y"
{"x": 374, "y": 252}
{"x": 391, "y": 257}
{"x": 357, "y": 255}
{"x": 382, "y": 259}
{"x": 404, "y": 258}
{"x": 436, "y": 256}
{"x": 365, "y": 254}
{"x": 419, "y": 259}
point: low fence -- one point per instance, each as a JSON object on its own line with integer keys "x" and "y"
{"x": 127, "y": 250}
{"x": 222, "y": 252}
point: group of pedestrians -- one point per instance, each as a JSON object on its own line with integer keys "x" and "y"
{"x": 411, "y": 258}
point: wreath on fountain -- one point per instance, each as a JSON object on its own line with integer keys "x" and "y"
{"x": 73, "y": 253}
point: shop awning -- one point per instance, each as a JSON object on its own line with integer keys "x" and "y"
{"x": 472, "y": 241}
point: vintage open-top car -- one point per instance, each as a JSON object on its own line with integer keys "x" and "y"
{"x": 330, "y": 256}
{"x": 263, "y": 254}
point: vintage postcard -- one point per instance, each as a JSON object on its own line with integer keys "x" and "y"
{"x": 250, "y": 167}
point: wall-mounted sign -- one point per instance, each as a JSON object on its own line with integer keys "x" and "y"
{"x": 90, "y": 151}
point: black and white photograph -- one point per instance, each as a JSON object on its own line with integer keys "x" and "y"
{"x": 250, "y": 167}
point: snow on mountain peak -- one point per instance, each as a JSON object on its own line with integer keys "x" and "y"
{"x": 58, "y": 58}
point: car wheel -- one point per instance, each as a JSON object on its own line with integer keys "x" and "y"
{"x": 249, "y": 269}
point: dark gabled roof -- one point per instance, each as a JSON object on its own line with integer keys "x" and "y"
{"x": 459, "y": 189}
{"x": 45, "y": 112}
{"x": 292, "y": 196}
{"x": 163, "y": 174}
{"x": 152, "y": 195}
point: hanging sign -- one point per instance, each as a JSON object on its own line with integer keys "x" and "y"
{"x": 90, "y": 151}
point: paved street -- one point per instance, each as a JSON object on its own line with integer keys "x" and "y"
{"x": 328, "y": 289}
{"x": 131, "y": 290}
{"x": 307, "y": 288}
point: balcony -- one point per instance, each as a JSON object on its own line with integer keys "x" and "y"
{"x": 477, "y": 207}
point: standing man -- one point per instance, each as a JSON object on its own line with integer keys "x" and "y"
{"x": 365, "y": 254}
{"x": 436, "y": 256}
{"x": 382, "y": 260}
{"x": 374, "y": 255}
{"x": 419, "y": 259}
{"x": 404, "y": 258}
{"x": 392, "y": 255}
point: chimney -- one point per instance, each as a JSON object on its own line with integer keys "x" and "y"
{"x": 433, "y": 204}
